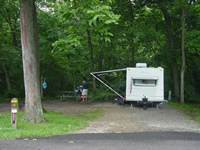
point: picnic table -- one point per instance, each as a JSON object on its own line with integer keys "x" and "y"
{"x": 69, "y": 95}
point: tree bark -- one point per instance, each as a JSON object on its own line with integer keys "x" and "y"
{"x": 183, "y": 53}
{"x": 132, "y": 51}
{"x": 132, "y": 35}
{"x": 92, "y": 59}
{"x": 14, "y": 37}
{"x": 6, "y": 77}
{"x": 170, "y": 37}
{"x": 100, "y": 61}
{"x": 41, "y": 87}
{"x": 30, "y": 51}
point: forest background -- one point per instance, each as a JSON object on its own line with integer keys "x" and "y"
{"x": 77, "y": 37}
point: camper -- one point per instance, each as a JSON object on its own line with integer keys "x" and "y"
{"x": 143, "y": 84}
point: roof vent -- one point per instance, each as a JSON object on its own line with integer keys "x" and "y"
{"x": 141, "y": 65}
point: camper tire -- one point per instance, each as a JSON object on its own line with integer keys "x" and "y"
{"x": 156, "y": 105}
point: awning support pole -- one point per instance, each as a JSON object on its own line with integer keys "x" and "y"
{"x": 107, "y": 86}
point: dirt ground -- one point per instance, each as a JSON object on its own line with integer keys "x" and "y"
{"x": 122, "y": 118}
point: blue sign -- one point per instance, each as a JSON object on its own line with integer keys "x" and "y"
{"x": 44, "y": 85}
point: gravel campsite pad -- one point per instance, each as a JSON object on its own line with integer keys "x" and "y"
{"x": 122, "y": 118}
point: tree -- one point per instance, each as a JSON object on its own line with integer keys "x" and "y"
{"x": 9, "y": 15}
{"x": 183, "y": 52}
{"x": 171, "y": 43}
{"x": 30, "y": 51}
{"x": 89, "y": 23}
{"x": 77, "y": 37}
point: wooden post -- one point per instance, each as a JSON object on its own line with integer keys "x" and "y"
{"x": 14, "y": 110}
{"x": 170, "y": 96}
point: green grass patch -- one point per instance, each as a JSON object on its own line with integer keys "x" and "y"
{"x": 191, "y": 110}
{"x": 58, "y": 124}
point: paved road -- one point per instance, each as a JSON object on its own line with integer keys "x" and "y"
{"x": 109, "y": 141}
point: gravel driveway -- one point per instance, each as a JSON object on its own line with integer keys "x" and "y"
{"x": 123, "y": 118}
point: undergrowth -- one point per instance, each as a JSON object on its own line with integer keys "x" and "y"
{"x": 191, "y": 110}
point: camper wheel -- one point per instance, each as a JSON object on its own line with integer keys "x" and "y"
{"x": 155, "y": 104}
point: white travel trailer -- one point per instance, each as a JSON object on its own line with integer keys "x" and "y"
{"x": 142, "y": 83}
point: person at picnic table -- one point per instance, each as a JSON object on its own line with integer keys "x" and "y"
{"x": 85, "y": 91}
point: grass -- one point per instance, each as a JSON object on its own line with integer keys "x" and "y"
{"x": 58, "y": 124}
{"x": 191, "y": 110}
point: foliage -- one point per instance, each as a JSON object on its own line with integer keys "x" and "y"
{"x": 103, "y": 95}
{"x": 122, "y": 34}
{"x": 191, "y": 110}
{"x": 58, "y": 124}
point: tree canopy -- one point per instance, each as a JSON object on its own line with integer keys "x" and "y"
{"x": 77, "y": 37}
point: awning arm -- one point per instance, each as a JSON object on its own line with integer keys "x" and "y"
{"x": 102, "y": 72}
{"x": 109, "y": 71}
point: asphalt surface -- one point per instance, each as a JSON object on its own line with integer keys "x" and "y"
{"x": 109, "y": 141}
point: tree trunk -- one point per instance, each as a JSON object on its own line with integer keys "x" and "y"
{"x": 131, "y": 35}
{"x": 30, "y": 51}
{"x": 12, "y": 24}
{"x": 100, "y": 61}
{"x": 91, "y": 57}
{"x": 14, "y": 37}
{"x": 183, "y": 53}
{"x": 172, "y": 50}
{"x": 132, "y": 51}
{"x": 41, "y": 87}
{"x": 6, "y": 77}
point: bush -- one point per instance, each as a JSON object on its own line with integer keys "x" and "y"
{"x": 11, "y": 93}
{"x": 102, "y": 95}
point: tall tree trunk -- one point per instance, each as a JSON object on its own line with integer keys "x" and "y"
{"x": 14, "y": 37}
{"x": 30, "y": 51}
{"x": 172, "y": 50}
{"x": 91, "y": 57}
{"x": 13, "y": 24}
{"x": 6, "y": 77}
{"x": 132, "y": 51}
{"x": 183, "y": 53}
{"x": 132, "y": 35}
{"x": 100, "y": 61}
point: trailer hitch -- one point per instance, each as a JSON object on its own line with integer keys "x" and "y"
{"x": 145, "y": 102}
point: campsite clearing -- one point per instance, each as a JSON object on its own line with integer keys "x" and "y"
{"x": 122, "y": 118}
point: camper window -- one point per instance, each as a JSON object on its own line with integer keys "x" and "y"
{"x": 141, "y": 82}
